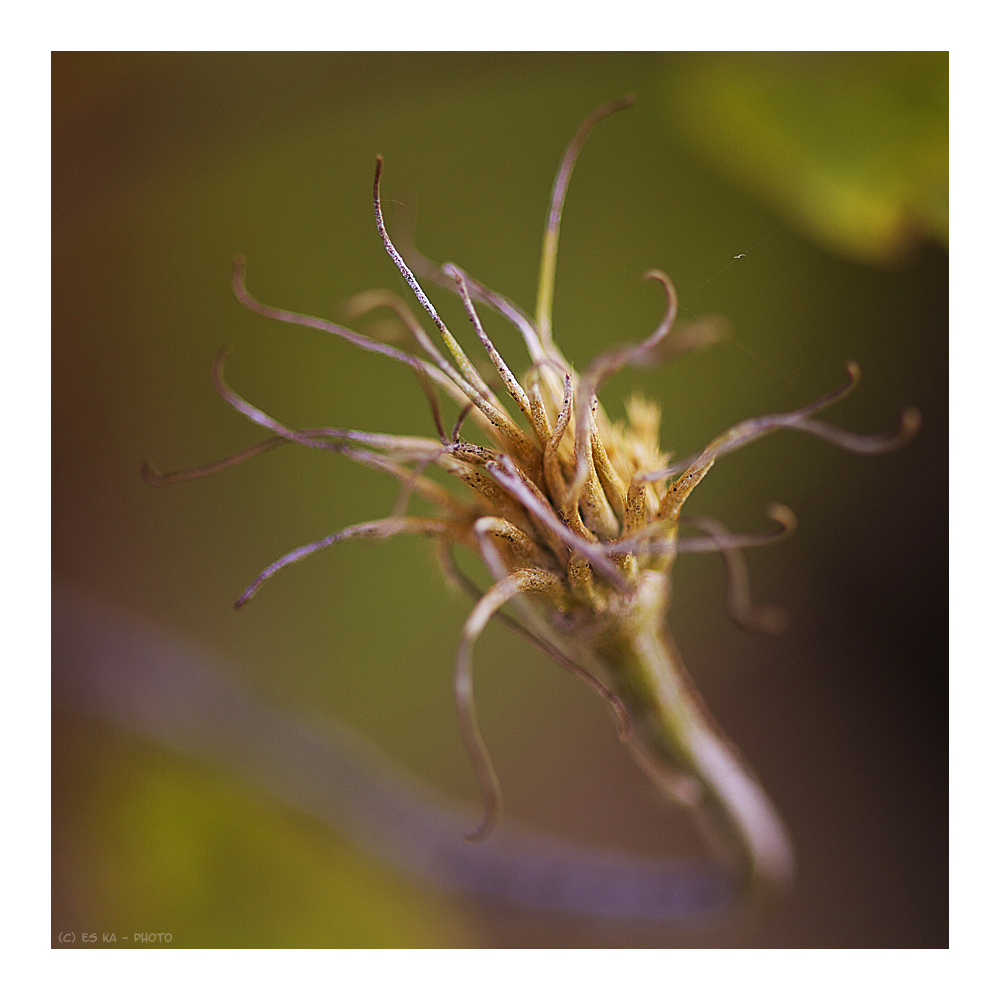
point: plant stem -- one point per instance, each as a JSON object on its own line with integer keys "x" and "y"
{"x": 686, "y": 754}
{"x": 146, "y": 680}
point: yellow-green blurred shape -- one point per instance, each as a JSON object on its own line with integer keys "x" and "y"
{"x": 852, "y": 148}
{"x": 157, "y": 845}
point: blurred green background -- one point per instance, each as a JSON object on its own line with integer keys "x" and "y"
{"x": 164, "y": 166}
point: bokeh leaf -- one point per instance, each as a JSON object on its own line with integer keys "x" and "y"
{"x": 851, "y": 147}
{"x": 146, "y": 843}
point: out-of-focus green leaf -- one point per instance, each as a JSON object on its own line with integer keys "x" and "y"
{"x": 851, "y": 147}
{"x": 163, "y": 847}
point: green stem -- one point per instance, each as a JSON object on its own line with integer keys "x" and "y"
{"x": 687, "y": 755}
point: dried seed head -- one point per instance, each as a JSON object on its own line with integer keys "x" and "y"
{"x": 577, "y": 517}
